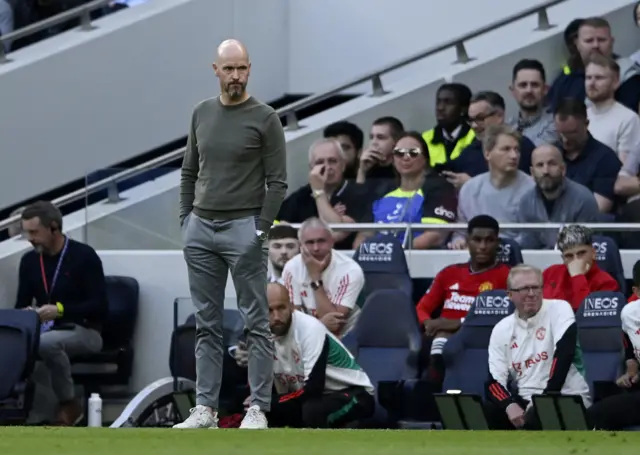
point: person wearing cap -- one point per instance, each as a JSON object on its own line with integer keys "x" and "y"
{"x": 579, "y": 275}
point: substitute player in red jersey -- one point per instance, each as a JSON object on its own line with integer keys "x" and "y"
{"x": 580, "y": 275}
{"x": 455, "y": 288}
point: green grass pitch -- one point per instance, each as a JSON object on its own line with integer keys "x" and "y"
{"x": 131, "y": 441}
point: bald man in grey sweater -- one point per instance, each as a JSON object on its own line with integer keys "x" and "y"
{"x": 236, "y": 144}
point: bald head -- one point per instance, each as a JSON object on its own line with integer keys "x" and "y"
{"x": 548, "y": 170}
{"x": 280, "y": 309}
{"x": 232, "y": 49}
{"x": 276, "y": 292}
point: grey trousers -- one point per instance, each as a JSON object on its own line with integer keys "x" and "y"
{"x": 53, "y": 372}
{"x": 6, "y": 22}
{"x": 212, "y": 249}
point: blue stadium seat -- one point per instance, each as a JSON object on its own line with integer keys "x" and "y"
{"x": 466, "y": 353}
{"x": 114, "y": 364}
{"x": 509, "y": 252}
{"x": 600, "y": 337}
{"x": 20, "y": 339}
{"x": 609, "y": 259}
{"x": 384, "y": 265}
{"x": 388, "y": 340}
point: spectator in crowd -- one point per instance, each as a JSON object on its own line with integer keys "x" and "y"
{"x": 283, "y": 245}
{"x": 422, "y": 196}
{"x": 537, "y": 365}
{"x": 554, "y": 199}
{"x": 610, "y": 122}
{"x": 455, "y": 288}
{"x": 317, "y": 381}
{"x": 6, "y": 22}
{"x": 66, "y": 280}
{"x": 351, "y": 139}
{"x": 588, "y": 161}
{"x": 328, "y": 195}
{"x": 322, "y": 281}
{"x": 620, "y": 411}
{"x": 452, "y": 133}
{"x": 377, "y": 159}
{"x": 499, "y": 191}
{"x": 594, "y": 37}
{"x": 486, "y": 109}
{"x": 529, "y": 89}
{"x": 579, "y": 275}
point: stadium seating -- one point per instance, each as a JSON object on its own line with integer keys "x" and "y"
{"x": 384, "y": 265}
{"x": 601, "y": 341}
{"x": 114, "y": 364}
{"x": 609, "y": 260}
{"x": 510, "y": 252}
{"x": 466, "y": 353}
{"x": 20, "y": 339}
{"x": 388, "y": 352}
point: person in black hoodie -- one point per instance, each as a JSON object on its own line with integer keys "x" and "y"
{"x": 63, "y": 281}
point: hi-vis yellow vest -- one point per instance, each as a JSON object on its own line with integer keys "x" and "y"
{"x": 438, "y": 152}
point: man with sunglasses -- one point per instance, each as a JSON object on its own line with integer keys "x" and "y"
{"x": 579, "y": 275}
{"x": 534, "y": 348}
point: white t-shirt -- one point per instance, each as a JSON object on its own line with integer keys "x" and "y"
{"x": 343, "y": 281}
{"x": 617, "y": 127}
{"x": 523, "y": 351}
{"x": 630, "y": 316}
{"x": 297, "y": 352}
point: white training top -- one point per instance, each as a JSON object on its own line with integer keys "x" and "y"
{"x": 523, "y": 350}
{"x": 343, "y": 280}
{"x": 297, "y": 352}
{"x": 630, "y": 316}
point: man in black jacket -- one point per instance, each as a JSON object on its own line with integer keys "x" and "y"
{"x": 63, "y": 281}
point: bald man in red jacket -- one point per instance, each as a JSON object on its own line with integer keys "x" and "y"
{"x": 579, "y": 275}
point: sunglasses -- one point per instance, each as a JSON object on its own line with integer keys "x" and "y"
{"x": 412, "y": 152}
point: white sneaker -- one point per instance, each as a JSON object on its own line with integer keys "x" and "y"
{"x": 254, "y": 419}
{"x": 199, "y": 417}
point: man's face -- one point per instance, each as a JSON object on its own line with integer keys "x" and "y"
{"x": 505, "y": 156}
{"x": 40, "y": 237}
{"x": 482, "y": 115}
{"x": 547, "y": 169}
{"x": 483, "y": 245}
{"x": 233, "y": 71}
{"x": 282, "y": 250}
{"x": 380, "y": 139}
{"x": 600, "y": 82}
{"x": 592, "y": 40}
{"x": 526, "y": 293}
{"x": 349, "y": 149}
{"x": 280, "y": 310}
{"x": 317, "y": 241}
{"x": 573, "y": 132}
{"x": 448, "y": 109}
{"x": 529, "y": 90}
{"x": 582, "y": 252}
{"x": 327, "y": 155}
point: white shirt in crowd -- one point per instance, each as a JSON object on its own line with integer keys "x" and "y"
{"x": 523, "y": 351}
{"x": 630, "y": 316}
{"x": 343, "y": 281}
{"x": 617, "y": 127}
{"x": 298, "y": 351}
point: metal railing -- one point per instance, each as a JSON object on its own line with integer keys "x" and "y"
{"x": 290, "y": 111}
{"x": 82, "y": 12}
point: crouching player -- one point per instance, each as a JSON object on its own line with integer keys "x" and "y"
{"x": 317, "y": 381}
{"x": 456, "y": 287}
{"x": 536, "y": 348}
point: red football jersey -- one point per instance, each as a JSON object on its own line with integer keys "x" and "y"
{"x": 633, "y": 298}
{"x": 558, "y": 284}
{"x": 455, "y": 288}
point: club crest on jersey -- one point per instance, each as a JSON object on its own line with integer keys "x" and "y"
{"x": 486, "y": 286}
{"x": 540, "y": 333}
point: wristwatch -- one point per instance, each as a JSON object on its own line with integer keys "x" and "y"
{"x": 315, "y": 285}
{"x": 262, "y": 236}
{"x": 317, "y": 193}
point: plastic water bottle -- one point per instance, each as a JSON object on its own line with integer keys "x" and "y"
{"x": 94, "y": 410}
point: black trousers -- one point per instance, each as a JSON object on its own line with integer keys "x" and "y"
{"x": 616, "y": 412}
{"x": 331, "y": 410}
{"x": 497, "y": 418}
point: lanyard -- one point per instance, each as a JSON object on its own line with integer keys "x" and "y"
{"x": 48, "y": 290}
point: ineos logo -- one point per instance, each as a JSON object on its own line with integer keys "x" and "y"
{"x": 493, "y": 302}
{"x": 376, "y": 248}
{"x": 601, "y": 304}
{"x": 504, "y": 251}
